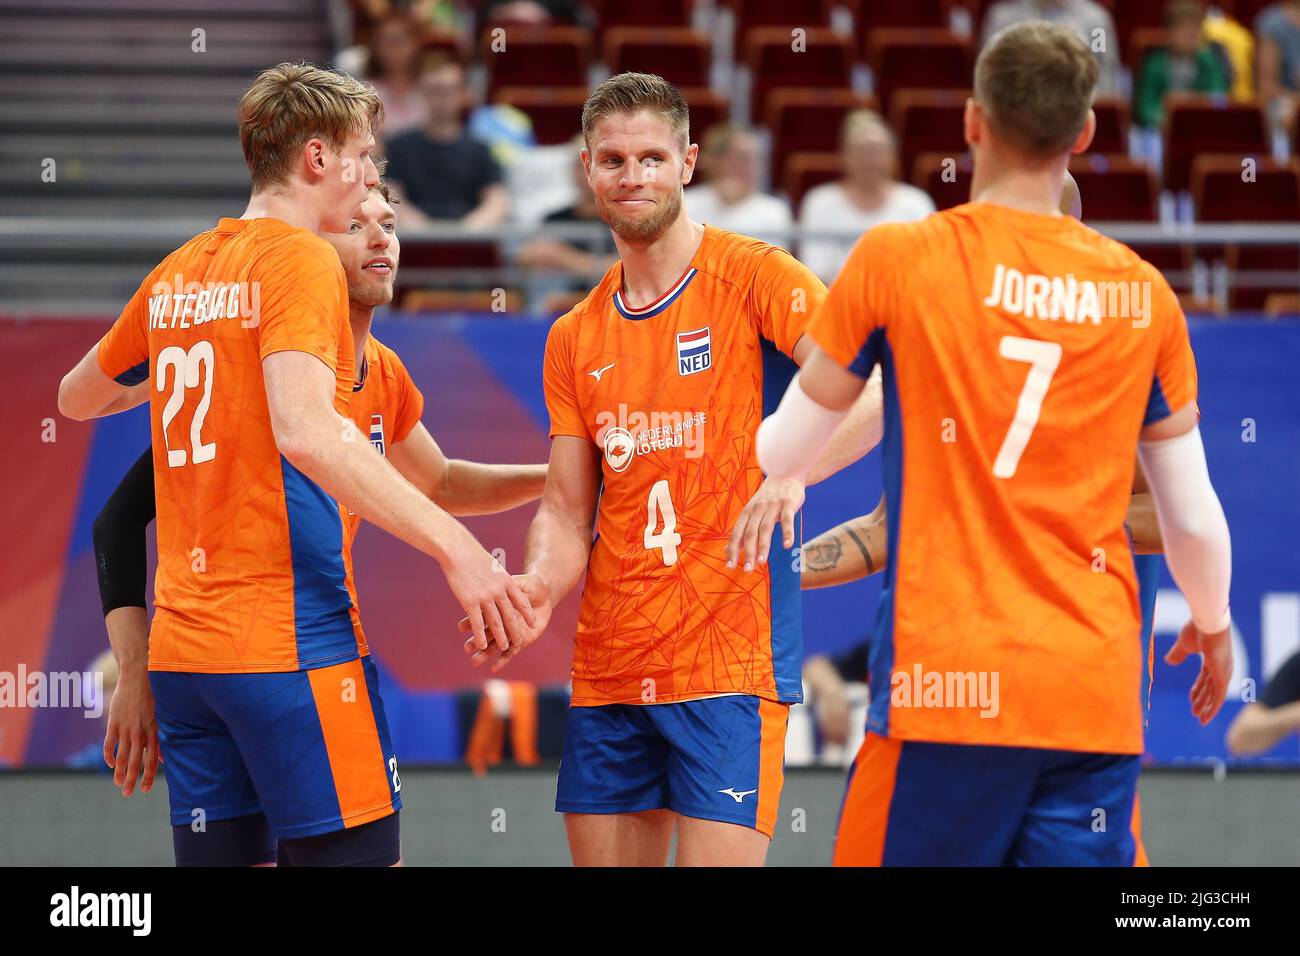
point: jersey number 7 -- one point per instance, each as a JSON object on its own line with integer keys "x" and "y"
{"x": 1043, "y": 358}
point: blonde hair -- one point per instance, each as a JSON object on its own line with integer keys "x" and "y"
{"x": 861, "y": 121}
{"x": 292, "y": 103}
{"x": 634, "y": 93}
{"x": 1035, "y": 81}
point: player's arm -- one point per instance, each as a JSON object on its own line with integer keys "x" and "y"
{"x": 131, "y": 736}
{"x": 329, "y": 450}
{"x": 560, "y": 537}
{"x": 861, "y": 429}
{"x": 1197, "y": 547}
{"x": 87, "y": 392}
{"x": 848, "y": 552}
{"x": 792, "y": 439}
{"x": 1260, "y": 726}
{"x": 463, "y": 487}
{"x": 1141, "y": 522}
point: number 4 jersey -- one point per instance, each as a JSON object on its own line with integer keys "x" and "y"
{"x": 672, "y": 395}
{"x": 251, "y": 573}
{"x": 1022, "y": 356}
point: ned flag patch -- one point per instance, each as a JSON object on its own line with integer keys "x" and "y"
{"x": 377, "y": 432}
{"x": 694, "y": 353}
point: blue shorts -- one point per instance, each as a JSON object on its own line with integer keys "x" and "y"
{"x": 720, "y": 758}
{"x": 910, "y": 803}
{"x": 309, "y": 749}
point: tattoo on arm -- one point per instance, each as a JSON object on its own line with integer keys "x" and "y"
{"x": 866, "y": 552}
{"x": 824, "y": 556}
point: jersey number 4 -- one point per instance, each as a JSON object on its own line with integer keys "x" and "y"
{"x": 1043, "y": 358}
{"x": 189, "y": 367}
{"x": 660, "y": 504}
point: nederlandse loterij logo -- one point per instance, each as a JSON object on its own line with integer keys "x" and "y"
{"x": 619, "y": 448}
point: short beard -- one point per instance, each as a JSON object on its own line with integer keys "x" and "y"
{"x": 642, "y": 231}
{"x": 371, "y": 298}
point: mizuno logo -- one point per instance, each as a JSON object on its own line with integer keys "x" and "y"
{"x": 601, "y": 371}
{"x": 738, "y": 797}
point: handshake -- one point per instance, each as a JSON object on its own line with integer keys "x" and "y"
{"x": 504, "y": 613}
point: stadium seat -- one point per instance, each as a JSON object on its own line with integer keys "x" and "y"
{"x": 1116, "y": 188}
{"x": 803, "y": 171}
{"x": 1224, "y": 191}
{"x": 1174, "y": 260}
{"x": 613, "y": 14}
{"x": 1279, "y": 304}
{"x": 1112, "y": 125}
{"x": 1284, "y": 261}
{"x": 1133, "y": 19}
{"x": 751, "y": 15}
{"x": 1245, "y": 11}
{"x": 928, "y": 121}
{"x": 556, "y": 112}
{"x": 875, "y": 14}
{"x": 918, "y": 59}
{"x": 680, "y": 55}
{"x": 1199, "y": 125}
{"x": 443, "y": 41}
{"x": 707, "y": 109}
{"x": 945, "y": 177}
{"x": 804, "y": 120}
{"x": 825, "y": 62}
{"x": 537, "y": 56}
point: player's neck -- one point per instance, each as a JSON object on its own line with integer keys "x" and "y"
{"x": 287, "y": 206}
{"x": 1017, "y": 187}
{"x": 652, "y": 269}
{"x": 361, "y": 317}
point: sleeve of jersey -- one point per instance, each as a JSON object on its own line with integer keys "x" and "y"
{"x": 1174, "y": 385}
{"x": 410, "y": 401}
{"x": 300, "y": 301}
{"x": 558, "y": 382}
{"x": 786, "y": 294}
{"x": 123, "y": 352}
{"x": 857, "y": 305}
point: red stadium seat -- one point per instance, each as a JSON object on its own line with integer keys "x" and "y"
{"x": 537, "y": 56}
{"x": 807, "y": 120}
{"x": 707, "y": 109}
{"x": 556, "y": 112}
{"x": 874, "y": 14}
{"x": 1245, "y": 11}
{"x": 1222, "y": 190}
{"x": 1116, "y": 188}
{"x": 680, "y": 55}
{"x": 1174, "y": 261}
{"x": 803, "y": 171}
{"x": 825, "y": 62}
{"x": 1112, "y": 126}
{"x": 918, "y": 59}
{"x": 946, "y": 178}
{"x": 1133, "y": 18}
{"x": 1199, "y": 125}
{"x": 612, "y": 14}
{"x": 1283, "y": 260}
{"x": 753, "y": 15}
{"x": 928, "y": 121}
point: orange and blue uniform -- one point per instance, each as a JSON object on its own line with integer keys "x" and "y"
{"x": 1022, "y": 355}
{"x": 683, "y": 668}
{"x": 265, "y": 696}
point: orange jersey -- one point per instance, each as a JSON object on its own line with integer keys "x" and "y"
{"x": 1022, "y": 356}
{"x": 251, "y": 574}
{"x": 386, "y": 405}
{"x": 672, "y": 394}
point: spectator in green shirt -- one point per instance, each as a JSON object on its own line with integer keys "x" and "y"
{"x": 1187, "y": 64}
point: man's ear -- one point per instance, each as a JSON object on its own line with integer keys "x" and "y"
{"x": 688, "y": 162}
{"x": 972, "y": 122}
{"x": 314, "y": 155}
{"x": 1084, "y": 139}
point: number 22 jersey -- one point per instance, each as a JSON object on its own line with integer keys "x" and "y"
{"x": 672, "y": 395}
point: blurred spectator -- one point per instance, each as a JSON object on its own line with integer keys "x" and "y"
{"x": 1188, "y": 64}
{"x": 730, "y": 199}
{"x": 1238, "y": 44}
{"x": 91, "y": 756}
{"x": 1090, "y": 20}
{"x": 828, "y": 679}
{"x": 393, "y": 66}
{"x": 575, "y": 264}
{"x": 1278, "y": 34}
{"x": 527, "y": 12}
{"x": 868, "y": 195}
{"x": 440, "y": 171}
{"x": 1261, "y": 725}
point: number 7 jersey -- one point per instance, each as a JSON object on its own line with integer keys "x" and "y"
{"x": 251, "y": 571}
{"x": 672, "y": 395}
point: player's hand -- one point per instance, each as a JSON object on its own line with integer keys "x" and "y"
{"x": 540, "y": 596}
{"x": 1211, "y": 686}
{"x": 496, "y": 607}
{"x": 777, "y": 500}
{"x": 833, "y": 717}
{"x": 131, "y": 739}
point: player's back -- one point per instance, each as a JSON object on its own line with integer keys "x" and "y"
{"x": 1022, "y": 355}
{"x": 251, "y": 575}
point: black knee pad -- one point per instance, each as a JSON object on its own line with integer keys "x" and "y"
{"x": 239, "y": 841}
{"x": 377, "y": 843}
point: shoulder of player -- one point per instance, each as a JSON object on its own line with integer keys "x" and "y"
{"x": 282, "y": 247}
{"x": 734, "y": 259}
